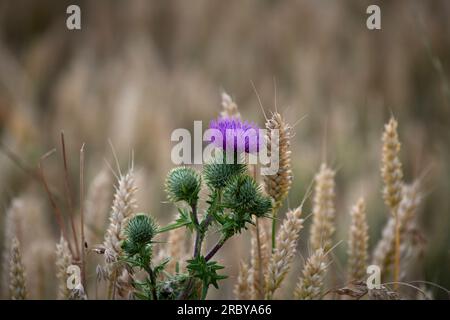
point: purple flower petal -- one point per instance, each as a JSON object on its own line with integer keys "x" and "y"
{"x": 235, "y": 135}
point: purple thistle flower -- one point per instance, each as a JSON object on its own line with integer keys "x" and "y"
{"x": 232, "y": 134}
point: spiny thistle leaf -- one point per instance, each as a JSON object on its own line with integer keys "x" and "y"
{"x": 205, "y": 271}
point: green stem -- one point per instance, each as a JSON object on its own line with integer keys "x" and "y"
{"x": 153, "y": 281}
{"x": 200, "y": 236}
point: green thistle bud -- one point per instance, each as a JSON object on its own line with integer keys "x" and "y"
{"x": 183, "y": 184}
{"x": 263, "y": 206}
{"x": 217, "y": 174}
{"x": 140, "y": 230}
{"x": 243, "y": 195}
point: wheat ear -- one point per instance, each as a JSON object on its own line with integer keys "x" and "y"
{"x": 358, "y": 242}
{"x": 278, "y": 142}
{"x": 242, "y": 290}
{"x": 63, "y": 261}
{"x": 310, "y": 285}
{"x": 17, "y": 278}
{"x": 283, "y": 254}
{"x": 278, "y": 185}
{"x": 384, "y": 252}
{"x": 230, "y": 108}
{"x": 391, "y": 167}
{"x": 124, "y": 205}
{"x": 322, "y": 227}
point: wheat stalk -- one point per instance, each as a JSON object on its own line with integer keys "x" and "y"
{"x": 230, "y": 108}
{"x": 277, "y": 186}
{"x": 322, "y": 228}
{"x": 63, "y": 261}
{"x": 391, "y": 171}
{"x": 260, "y": 256}
{"x": 17, "y": 282}
{"x": 124, "y": 205}
{"x": 358, "y": 242}
{"x": 384, "y": 252}
{"x": 310, "y": 285}
{"x": 283, "y": 254}
{"x": 242, "y": 289}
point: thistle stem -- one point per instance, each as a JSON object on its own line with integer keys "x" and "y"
{"x": 216, "y": 248}
{"x": 153, "y": 281}
{"x": 197, "y": 248}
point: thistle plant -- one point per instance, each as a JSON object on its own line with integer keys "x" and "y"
{"x": 138, "y": 252}
{"x": 234, "y": 199}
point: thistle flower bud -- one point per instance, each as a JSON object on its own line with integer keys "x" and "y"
{"x": 141, "y": 229}
{"x": 217, "y": 173}
{"x": 183, "y": 184}
{"x": 243, "y": 195}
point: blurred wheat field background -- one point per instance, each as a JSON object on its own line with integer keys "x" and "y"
{"x": 140, "y": 69}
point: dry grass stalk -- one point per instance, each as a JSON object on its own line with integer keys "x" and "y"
{"x": 97, "y": 203}
{"x": 63, "y": 261}
{"x": 230, "y": 108}
{"x": 278, "y": 185}
{"x": 124, "y": 206}
{"x": 391, "y": 167}
{"x": 384, "y": 252}
{"x": 260, "y": 256}
{"x": 17, "y": 282}
{"x": 310, "y": 285}
{"x": 242, "y": 289}
{"x": 283, "y": 254}
{"x": 358, "y": 242}
{"x": 322, "y": 228}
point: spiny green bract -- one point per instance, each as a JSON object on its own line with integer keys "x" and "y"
{"x": 183, "y": 184}
{"x": 243, "y": 195}
{"x": 218, "y": 174}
